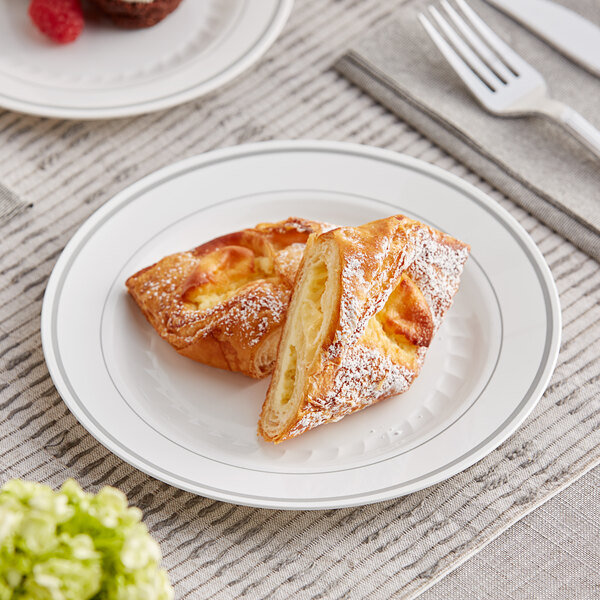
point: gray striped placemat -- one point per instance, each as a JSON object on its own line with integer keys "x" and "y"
{"x": 216, "y": 550}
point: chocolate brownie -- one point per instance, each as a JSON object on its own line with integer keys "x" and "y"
{"x": 136, "y": 15}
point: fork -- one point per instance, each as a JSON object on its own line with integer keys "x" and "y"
{"x": 503, "y": 82}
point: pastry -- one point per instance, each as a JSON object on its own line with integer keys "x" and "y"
{"x": 366, "y": 305}
{"x": 136, "y": 14}
{"x": 223, "y": 303}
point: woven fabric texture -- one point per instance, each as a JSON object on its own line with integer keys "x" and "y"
{"x": 551, "y": 553}
{"x": 216, "y": 550}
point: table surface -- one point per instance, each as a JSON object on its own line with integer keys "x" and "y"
{"x": 66, "y": 170}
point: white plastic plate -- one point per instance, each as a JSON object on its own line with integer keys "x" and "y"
{"x": 110, "y": 72}
{"x": 195, "y": 427}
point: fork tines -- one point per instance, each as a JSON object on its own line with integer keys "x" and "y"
{"x": 481, "y": 59}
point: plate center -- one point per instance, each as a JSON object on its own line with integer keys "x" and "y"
{"x": 214, "y": 413}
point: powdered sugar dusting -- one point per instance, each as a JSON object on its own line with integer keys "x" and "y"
{"x": 437, "y": 269}
{"x": 241, "y": 319}
{"x": 261, "y": 309}
{"x": 351, "y": 306}
{"x": 369, "y": 276}
{"x": 364, "y": 376}
{"x": 254, "y": 311}
{"x": 355, "y": 374}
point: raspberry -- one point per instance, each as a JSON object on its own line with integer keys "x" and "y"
{"x": 61, "y": 20}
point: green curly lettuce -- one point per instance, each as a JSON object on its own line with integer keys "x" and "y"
{"x": 70, "y": 545}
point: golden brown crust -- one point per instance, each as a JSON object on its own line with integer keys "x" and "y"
{"x": 223, "y": 303}
{"x": 394, "y": 280}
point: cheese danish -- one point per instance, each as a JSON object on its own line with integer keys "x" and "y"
{"x": 224, "y": 302}
{"x": 366, "y": 305}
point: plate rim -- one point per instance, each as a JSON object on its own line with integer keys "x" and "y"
{"x": 236, "y": 152}
{"x": 232, "y": 71}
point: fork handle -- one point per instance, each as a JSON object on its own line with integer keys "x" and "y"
{"x": 579, "y": 127}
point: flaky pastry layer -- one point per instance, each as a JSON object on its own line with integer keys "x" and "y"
{"x": 366, "y": 305}
{"x": 224, "y": 302}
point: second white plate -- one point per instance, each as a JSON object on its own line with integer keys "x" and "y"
{"x": 110, "y": 72}
{"x": 195, "y": 427}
